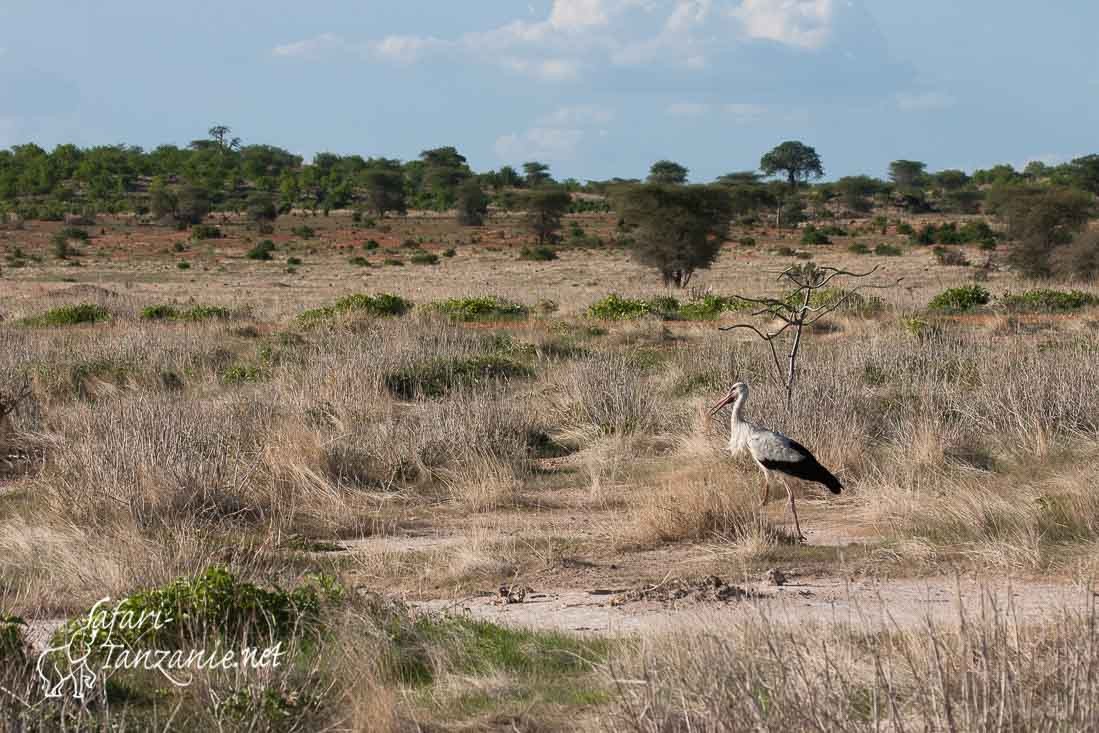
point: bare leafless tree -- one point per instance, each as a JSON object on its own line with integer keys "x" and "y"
{"x": 797, "y": 310}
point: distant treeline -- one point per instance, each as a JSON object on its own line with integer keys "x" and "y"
{"x": 226, "y": 175}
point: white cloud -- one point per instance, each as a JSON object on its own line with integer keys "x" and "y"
{"x": 544, "y": 69}
{"x": 923, "y": 101}
{"x": 688, "y": 110}
{"x": 571, "y": 15}
{"x": 311, "y": 48}
{"x": 802, "y": 23}
{"x": 404, "y": 49}
{"x": 687, "y": 14}
{"x": 578, "y": 116}
{"x": 744, "y": 114}
{"x": 540, "y": 143}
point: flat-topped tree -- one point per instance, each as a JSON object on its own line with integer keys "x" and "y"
{"x": 667, "y": 172}
{"x": 795, "y": 161}
{"x": 536, "y": 174}
{"x": 675, "y": 229}
{"x": 545, "y": 208}
{"x": 383, "y": 183}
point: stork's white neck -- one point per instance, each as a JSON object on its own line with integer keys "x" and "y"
{"x": 738, "y": 428}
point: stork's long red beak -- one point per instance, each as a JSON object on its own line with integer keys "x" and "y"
{"x": 724, "y": 401}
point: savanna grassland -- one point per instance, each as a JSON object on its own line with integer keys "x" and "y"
{"x": 369, "y": 429}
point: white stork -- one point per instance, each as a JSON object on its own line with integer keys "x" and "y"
{"x": 773, "y": 451}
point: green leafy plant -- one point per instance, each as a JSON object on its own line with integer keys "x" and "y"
{"x": 960, "y": 300}
{"x": 69, "y": 315}
{"x": 538, "y": 253}
{"x": 436, "y": 377}
{"x": 1046, "y": 300}
{"x": 480, "y": 308}
{"x": 261, "y": 251}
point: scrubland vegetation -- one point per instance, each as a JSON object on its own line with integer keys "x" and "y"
{"x": 249, "y": 440}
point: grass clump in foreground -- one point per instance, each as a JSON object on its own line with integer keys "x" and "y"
{"x": 380, "y": 305}
{"x": 437, "y": 377}
{"x": 482, "y": 308}
{"x": 69, "y": 315}
{"x": 960, "y": 300}
{"x": 349, "y": 661}
{"x": 1047, "y": 300}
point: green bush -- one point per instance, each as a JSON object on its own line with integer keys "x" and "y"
{"x": 69, "y": 315}
{"x": 303, "y": 231}
{"x": 205, "y": 231}
{"x": 261, "y": 251}
{"x": 243, "y": 374}
{"x": 1046, "y": 300}
{"x": 370, "y": 245}
{"x": 888, "y": 250}
{"x": 710, "y": 307}
{"x": 293, "y": 261}
{"x": 960, "y": 300}
{"x": 747, "y": 241}
{"x": 359, "y": 262}
{"x": 380, "y": 305}
{"x": 858, "y": 248}
{"x": 812, "y": 235}
{"x": 483, "y": 308}
{"x": 183, "y": 265}
{"x": 392, "y": 262}
{"x": 424, "y": 258}
{"x": 449, "y": 252}
{"x": 437, "y": 377}
{"x": 159, "y": 313}
{"x": 214, "y": 603}
{"x": 538, "y": 254}
{"x": 13, "y": 642}
{"x": 616, "y": 308}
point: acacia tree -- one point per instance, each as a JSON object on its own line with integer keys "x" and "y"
{"x": 667, "y": 172}
{"x": 536, "y": 174}
{"x": 802, "y": 307}
{"x": 383, "y": 185}
{"x": 908, "y": 173}
{"x": 545, "y": 208}
{"x": 472, "y": 204}
{"x": 795, "y": 160}
{"x": 676, "y": 229}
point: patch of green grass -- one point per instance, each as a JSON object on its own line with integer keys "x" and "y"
{"x": 381, "y": 305}
{"x": 616, "y": 308}
{"x": 244, "y": 374}
{"x": 69, "y": 315}
{"x": 303, "y": 231}
{"x": 437, "y": 377}
{"x": 13, "y": 642}
{"x": 358, "y": 261}
{"x": 261, "y": 251}
{"x": 165, "y": 312}
{"x": 813, "y": 236}
{"x": 392, "y": 262}
{"x": 214, "y": 603}
{"x": 960, "y": 300}
{"x": 538, "y": 254}
{"x": 858, "y": 248}
{"x": 480, "y": 308}
{"x": 888, "y": 250}
{"x": 709, "y": 307}
{"x": 1048, "y": 301}
{"x": 424, "y": 258}
{"x": 205, "y": 231}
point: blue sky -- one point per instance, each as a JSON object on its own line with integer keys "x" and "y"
{"x": 596, "y": 88}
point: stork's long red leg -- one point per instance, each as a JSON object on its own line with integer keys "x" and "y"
{"x": 794, "y": 509}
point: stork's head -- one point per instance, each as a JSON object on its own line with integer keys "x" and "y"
{"x": 738, "y": 391}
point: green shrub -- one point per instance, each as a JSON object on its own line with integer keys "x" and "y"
{"x": 858, "y": 248}
{"x": 812, "y": 235}
{"x": 436, "y": 377}
{"x": 370, "y": 245}
{"x": 616, "y": 308}
{"x": 905, "y": 229}
{"x": 747, "y": 241}
{"x": 888, "y": 250}
{"x": 204, "y": 313}
{"x": 391, "y": 262}
{"x": 449, "y": 252}
{"x": 380, "y": 305}
{"x": 214, "y": 603}
{"x": 483, "y": 308}
{"x": 293, "y": 261}
{"x": 69, "y": 315}
{"x": 183, "y": 265}
{"x": 13, "y": 642}
{"x": 359, "y": 262}
{"x": 159, "y": 313}
{"x": 538, "y": 253}
{"x": 960, "y": 300}
{"x": 424, "y": 258}
{"x": 205, "y": 231}
{"x": 710, "y": 307}
{"x": 261, "y": 251}
{"x": 1046, "y": 300}
{"x": 303, "y": 231}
